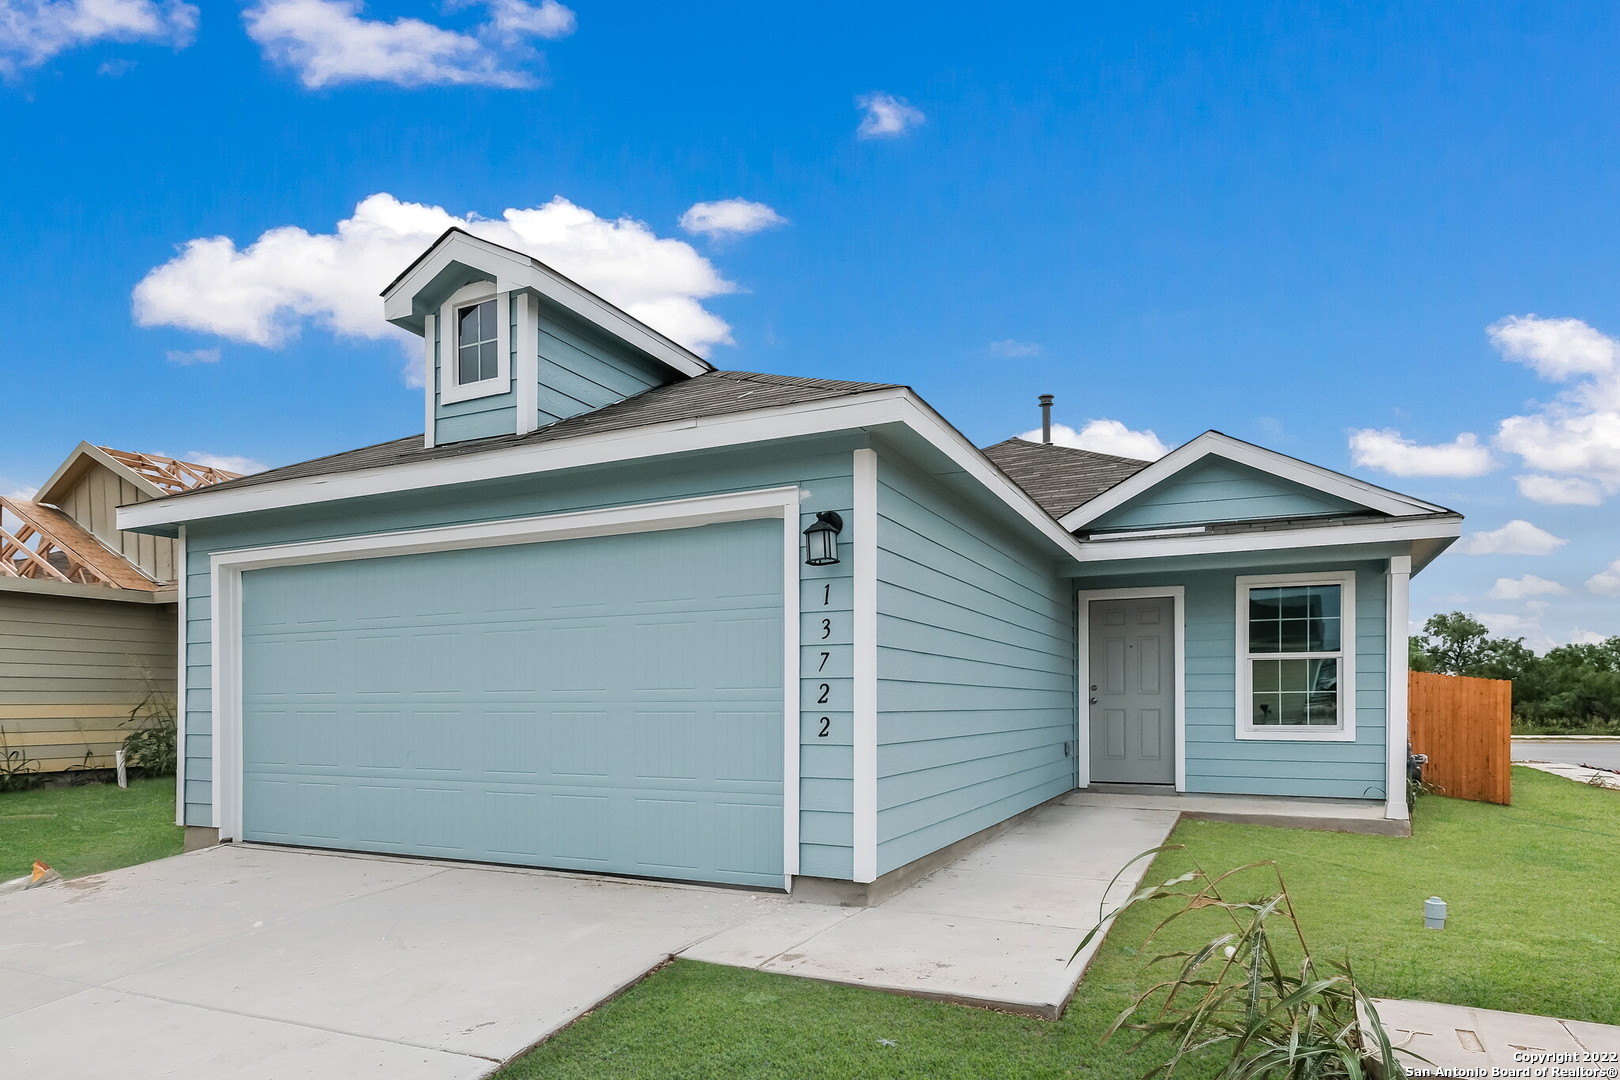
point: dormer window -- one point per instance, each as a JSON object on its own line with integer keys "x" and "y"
{"x": 471, "y": 344}
{"x": 476, "y": 340}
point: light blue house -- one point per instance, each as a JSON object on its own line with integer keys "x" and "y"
{"x": 577, "y": 624}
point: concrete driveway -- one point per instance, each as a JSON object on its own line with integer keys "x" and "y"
{"x": 266, "y": 964}
{"x": 258, "y": 963}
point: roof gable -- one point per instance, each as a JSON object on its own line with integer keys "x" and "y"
{"x": 1236, "y": 481}
{"x": 84, "y": 458}
{"x": 1217, "y": 489}
{"x": 459, "y": 258}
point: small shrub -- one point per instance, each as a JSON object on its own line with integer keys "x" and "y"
{"x": 152, "y": 744}
{"x": 1237, "y": 1001}
{"x": 18, "y": 771}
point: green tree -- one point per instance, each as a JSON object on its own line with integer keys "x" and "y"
{"x": 1459, "y": 644}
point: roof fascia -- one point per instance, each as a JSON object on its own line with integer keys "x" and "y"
{"x": 898, "y": 405}
{"x": 1432, "y": 534}
{"x": 1214, "y": 443}
{"x": 69, "y": 471}
{"x": 515, "y": 271}
{"x": 41, "y": 587}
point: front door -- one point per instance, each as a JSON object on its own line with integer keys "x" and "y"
{"x": 1132, "y": 691}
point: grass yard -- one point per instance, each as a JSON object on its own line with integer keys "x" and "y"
{"x": 85, "y": 830}
{"x": 1534, "y": 928}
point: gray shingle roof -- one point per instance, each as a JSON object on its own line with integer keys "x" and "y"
{"x": 1060, "y": 478}
{"x": 715, "y": 393}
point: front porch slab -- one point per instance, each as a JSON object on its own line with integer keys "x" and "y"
{"x": 1330, "y": 815}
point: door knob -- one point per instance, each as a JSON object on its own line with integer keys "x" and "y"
{"x": 1094, "y": 701}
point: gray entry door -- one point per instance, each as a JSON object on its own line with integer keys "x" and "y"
{"x": 1132, "y": 692}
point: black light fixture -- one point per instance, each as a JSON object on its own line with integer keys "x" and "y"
{"x": 821, "y": 539}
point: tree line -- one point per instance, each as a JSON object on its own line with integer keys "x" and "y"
{"x": 1571, "y": 689}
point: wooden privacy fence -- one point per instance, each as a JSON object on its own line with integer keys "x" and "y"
{"x": 1465, "y": 725}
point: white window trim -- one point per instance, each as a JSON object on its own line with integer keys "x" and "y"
{"x": 225, "y": 610}
{"x": 1346, "y": 731}
{"x": 1082, "y": 747}
{"x": 451, "y": 391}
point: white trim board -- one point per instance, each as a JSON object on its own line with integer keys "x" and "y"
{"x": 1178, "y": 603}
{"x": 1348, "y": 656}
{"x": 180, "y": 680}
{"x": 1339, "y": 535}
{"x": 1214, "y": 443}
{"x": 430, "y": 369}
{"x": 226, "y": 569}
{"x": 879, "y": 407}
{"x": 1397, "y": 613}
{"x": 864, "y": 733}
{"x": 526, "y": 362}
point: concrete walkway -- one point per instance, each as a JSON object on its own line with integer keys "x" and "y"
{"x": 260, "y": 963}
{"x": 997, "y": 927}
{"x": 1454, "y": 1037}
{"x": 1578, "y": 773}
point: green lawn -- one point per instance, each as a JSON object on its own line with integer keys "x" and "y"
{"x": 85, "y": 830}
{"x": 1534, "y": 928}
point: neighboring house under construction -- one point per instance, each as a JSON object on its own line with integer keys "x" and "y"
{"x": 87, "y": 613}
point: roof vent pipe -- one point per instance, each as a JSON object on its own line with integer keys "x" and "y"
{"x": 1046, "y": 418}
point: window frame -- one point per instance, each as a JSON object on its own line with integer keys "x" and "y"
{"x": 1345, "y": 730}
{"x": 451, "y": 389}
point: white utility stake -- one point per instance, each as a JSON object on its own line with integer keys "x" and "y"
{"x": 123, "y": 775}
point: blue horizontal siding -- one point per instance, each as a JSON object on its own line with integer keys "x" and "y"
{"x": 1218, "y": 762}
{"x": 582, "y": 369}
{"x": 820, "y": 467}
{"x": 975, "y": 670}
{"x": 1220, "y": 490}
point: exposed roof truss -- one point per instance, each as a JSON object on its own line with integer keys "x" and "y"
{"x": 170, "y": 474}
{"x": 43, "y": 544}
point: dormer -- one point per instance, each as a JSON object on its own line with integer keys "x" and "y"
{"x": 509, "y": 345}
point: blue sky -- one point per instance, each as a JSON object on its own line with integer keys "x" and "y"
{"x": 1290, "y": 223}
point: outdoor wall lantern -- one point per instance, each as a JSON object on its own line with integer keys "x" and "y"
{"x": 821, "y": 539}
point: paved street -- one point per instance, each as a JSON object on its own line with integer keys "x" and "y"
{"x": 1603, "y": 754}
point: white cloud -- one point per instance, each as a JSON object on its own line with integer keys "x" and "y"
{"x": 1605, "y": 582}
{"x": 1012, "y": 349}
{"x": 243, "y": 465}
{"x": 330, "y": 42}
{"x": 1555, "y": 348}
{"x": 1523, "y": 588}
{"x": 1387, "y": 451}
{"x": 25, "y": 493}
{"x": 193, "y": 356}
{"x": 1517, "y": 537}
{"x": 1576, "y": 436}
{"x": 730, "y": 217}
{"x": 886, "y": 116}
{"x": 1560, "y": 490}
{"x": 1106, "y": 437}
{"x": 33, "y": 31}
{"x": 1504, "y": 625}
{"x": 512, "y": 20}
{"x": 265, "y": 293}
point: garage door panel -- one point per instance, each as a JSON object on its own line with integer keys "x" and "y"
{"x": 613, "y": 720}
